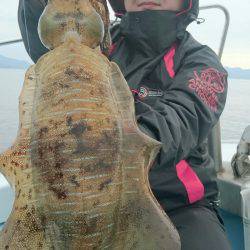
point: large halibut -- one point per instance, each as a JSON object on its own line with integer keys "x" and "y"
{"x": 79, "y": 165}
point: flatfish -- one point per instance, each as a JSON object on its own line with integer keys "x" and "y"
{"x": 79, "y": 165}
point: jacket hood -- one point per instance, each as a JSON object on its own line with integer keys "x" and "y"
{"x": 189, "y": 13}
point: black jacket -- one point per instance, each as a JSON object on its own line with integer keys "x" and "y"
{"x": 180, "y": 112}
{"x": 179, "y": 96}
{"x": 29, "y": 12}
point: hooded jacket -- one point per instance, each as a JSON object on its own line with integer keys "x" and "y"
{"x": 179, "y": 94}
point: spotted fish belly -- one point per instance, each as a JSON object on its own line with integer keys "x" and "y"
{"x": 75, "y": 149}
{"x": 83, "y": 179}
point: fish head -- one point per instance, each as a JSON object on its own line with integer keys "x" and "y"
{"x": 82, "y": 20}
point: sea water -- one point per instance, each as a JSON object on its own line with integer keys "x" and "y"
{"x": 233, "y": 120}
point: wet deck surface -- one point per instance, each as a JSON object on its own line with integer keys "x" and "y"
{"x": 234, "y": 228}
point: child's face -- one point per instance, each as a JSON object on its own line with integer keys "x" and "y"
{"x": 140, "y": 5}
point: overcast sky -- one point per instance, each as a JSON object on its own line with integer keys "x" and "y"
{"x": 237, "y": 49}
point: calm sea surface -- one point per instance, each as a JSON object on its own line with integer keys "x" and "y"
{"x": 235, "y": 118}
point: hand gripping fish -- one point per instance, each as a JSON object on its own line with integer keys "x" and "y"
{"x": 79, "y": 165}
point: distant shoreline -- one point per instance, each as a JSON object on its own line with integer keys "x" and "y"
{"x": 238, "y": 73}
{"x": 10, "y": 63}
{"x": 235, "y": 77}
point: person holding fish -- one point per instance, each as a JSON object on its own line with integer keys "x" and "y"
{"x": 179, "y": 88}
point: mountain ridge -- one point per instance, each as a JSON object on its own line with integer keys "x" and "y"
{"x": 238, "y": 73}
{"x": 11, "y": 63}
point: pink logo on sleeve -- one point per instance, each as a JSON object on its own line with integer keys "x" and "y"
{"x": 208, "y": 85}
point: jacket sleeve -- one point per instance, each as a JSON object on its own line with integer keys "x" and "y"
{"x": 29, "y": 12}
{"x": 189, "y": 108}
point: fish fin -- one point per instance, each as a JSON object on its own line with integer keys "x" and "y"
{"x": 26, "y": 99}
{"x": 6, "y": 167}
{"x": 9, "y": 160}
{"x": 146, "y": 225}
{"x": 122, "y": 93}
{"x": 154, "y": 219}
{"x": 125, "y": 102}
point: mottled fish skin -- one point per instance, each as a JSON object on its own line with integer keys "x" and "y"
{"x": 23, "y": 229}
{"x": 61, "y": 17}
{"x": 79, "y": 165}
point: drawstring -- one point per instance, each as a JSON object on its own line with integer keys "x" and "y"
{"x": 200, "y": 20}
{"x": 116, "y": 21}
